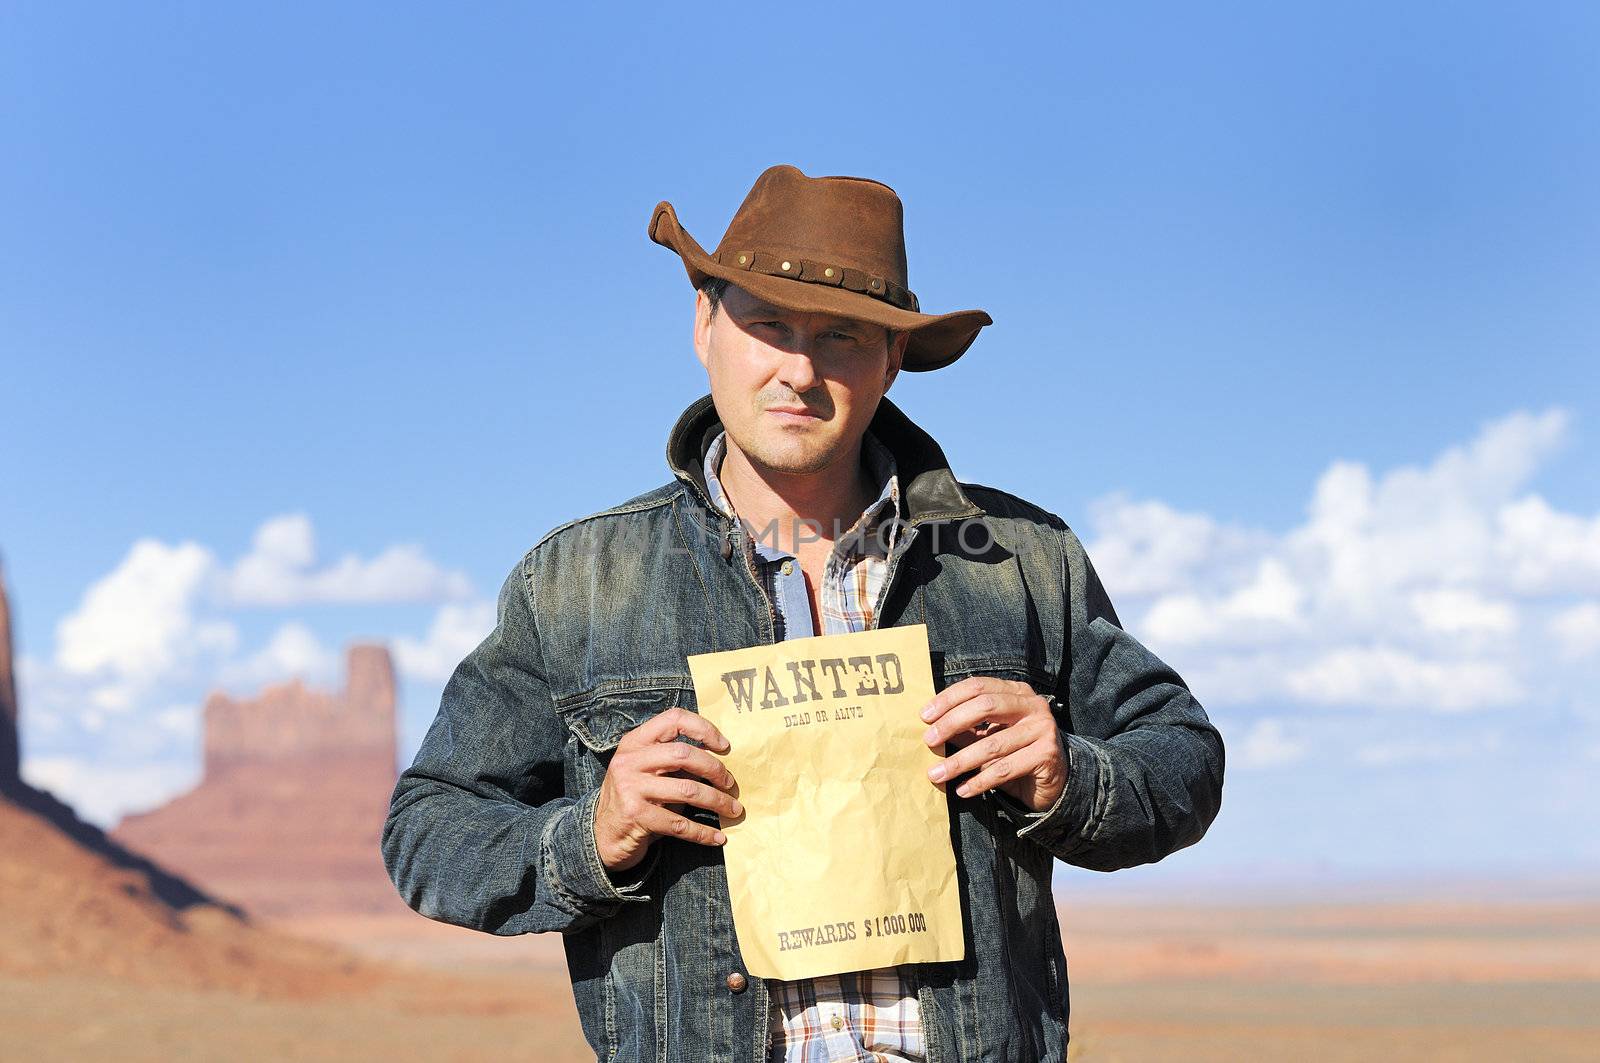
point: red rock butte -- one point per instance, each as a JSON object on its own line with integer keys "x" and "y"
{"x": 288, "y": 815}
{"x": 8, "y": 695}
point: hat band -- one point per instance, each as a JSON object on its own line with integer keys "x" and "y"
{"x": 804, "y": 269}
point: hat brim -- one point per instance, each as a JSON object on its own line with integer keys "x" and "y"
{"x": 935, "y": 340}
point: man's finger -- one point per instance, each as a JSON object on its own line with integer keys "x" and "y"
{"x": 1002, "y": 770}
{"x": 660, "y": 821}
{"x": 666, "y": 791}
{"x": 664, "y": 757}
{"x": 955, "y": 694}
{"x": 1001, "y": 743}
{"x": 675, "y": 722}
{"x": 993, "y": 707}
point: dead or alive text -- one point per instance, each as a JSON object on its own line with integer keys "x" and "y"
{"x": 869, "y": 677}
{"x": 832, "y": 933}
{"x": 840, "y": 712}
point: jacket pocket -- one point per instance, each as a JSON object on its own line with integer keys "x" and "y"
{"x": 599, "y": 719}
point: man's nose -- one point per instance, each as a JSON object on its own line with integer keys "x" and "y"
{"x": 797, "y": 369}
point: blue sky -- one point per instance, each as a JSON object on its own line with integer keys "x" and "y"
{"x": 357, "y": 303}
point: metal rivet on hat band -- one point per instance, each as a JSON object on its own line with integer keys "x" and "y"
{"x": 817, "y": 273}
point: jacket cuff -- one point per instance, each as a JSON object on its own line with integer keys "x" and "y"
{"x": 1070, "y": 822}
{"x": 571, "y": 863}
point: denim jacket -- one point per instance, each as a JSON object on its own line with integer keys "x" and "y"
{"x": 492, "y": 825}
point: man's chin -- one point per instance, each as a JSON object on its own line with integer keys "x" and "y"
{"x": 792, "y": 460}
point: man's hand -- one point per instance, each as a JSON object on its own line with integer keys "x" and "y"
{"x": 1005, "y": 729}
{"x": 650, "y": 777}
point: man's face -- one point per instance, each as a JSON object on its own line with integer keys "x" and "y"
{"x": 763, "y": 360}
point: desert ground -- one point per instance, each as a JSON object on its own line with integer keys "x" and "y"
{"x": 1392, "y": 980}
{"x": 106, "y": 954}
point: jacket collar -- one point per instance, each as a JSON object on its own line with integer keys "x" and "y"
{"x": 929, "y": 487}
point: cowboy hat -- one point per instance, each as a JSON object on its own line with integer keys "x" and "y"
{"x": 832, "y": 245}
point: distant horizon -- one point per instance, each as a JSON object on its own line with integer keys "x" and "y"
{"x": 1317, "y": 884}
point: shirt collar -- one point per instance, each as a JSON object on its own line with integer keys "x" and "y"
{"x": 880, "y": 464}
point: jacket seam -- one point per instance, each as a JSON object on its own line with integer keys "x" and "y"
{"x": 996, "y": 664}
{"x": 547, "y": 858}
{"x": 1104, "y": 796}
{"x": 1005, "y": 877}
{"x": 694, "y": 565}
{"x": 928, "y": 518}
{"x": 643, "y": 684}
{"x": 615, "y": 511}
{"x": 1026, "y": 507}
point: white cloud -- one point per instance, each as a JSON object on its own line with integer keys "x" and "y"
{"x": 1457, "y": 611}
{"x": 1149, "y": 547}
{"x": 133, "y": 661}
{"x": 1577, "y": 630}
{"x": 455, "y": 632}
{"x": 1266, "y": 744}
{"x": 138, "y": 621}
{"x": 1235, "y": 677}
{"x": 167, "y": 609}
{"x": 102, "y": 791}
{"x": 1385, "y": 677}
{"x": 138, "y": 627}
{"x": 1426, "y": 587}
{"x": 1261, "y": 610}
{"x": 1403, "y": 752}
{"x": 293, "y": 650}
{"x": 1547, "y": 551}
{"x": 179, "y": 721}
{"x": 280, "y": 571}
{"x": 1370, "y": 540}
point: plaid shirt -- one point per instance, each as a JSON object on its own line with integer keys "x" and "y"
{"x": 868, "y": 1015}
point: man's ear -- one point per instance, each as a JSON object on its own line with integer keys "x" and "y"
{"x": 702, "y": 329}
{"x": 897, "y": 354}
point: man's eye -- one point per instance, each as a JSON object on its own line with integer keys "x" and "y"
{"x": 840, "y": 335}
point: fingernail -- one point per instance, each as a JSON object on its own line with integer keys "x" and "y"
{"x": 936, "y": 773}
{"x": 738, "y": 809}
{"x": 927, "y": 713}
{"x": 720, "y": 837}
{"x": 930, "y": 734}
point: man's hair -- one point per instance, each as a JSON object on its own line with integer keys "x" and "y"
{"x": 715, "y": 286}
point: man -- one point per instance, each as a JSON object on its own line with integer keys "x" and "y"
{"x": 567, "y": 784}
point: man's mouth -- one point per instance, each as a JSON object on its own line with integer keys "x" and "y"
{"x": 795, "y": 413}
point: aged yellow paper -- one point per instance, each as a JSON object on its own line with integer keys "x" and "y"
{"x": 842, "y": 859}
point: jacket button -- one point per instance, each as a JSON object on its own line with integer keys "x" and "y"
{"x": 737, "y": 982}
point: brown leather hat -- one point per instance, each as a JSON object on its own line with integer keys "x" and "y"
{"x": 826, "y": 244}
